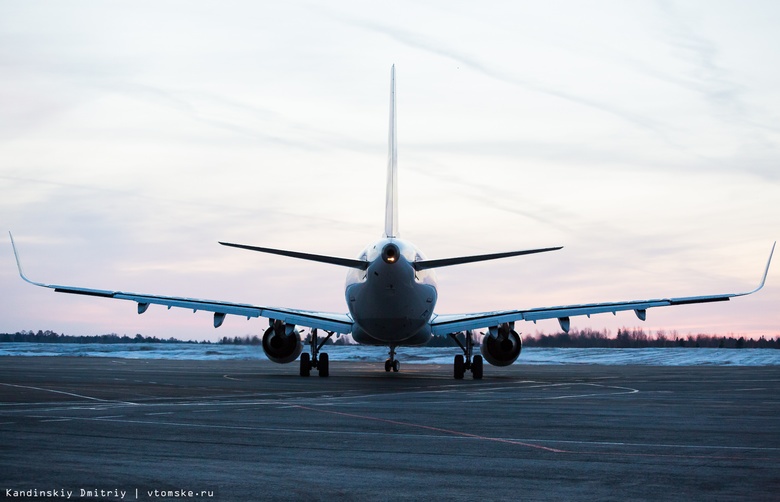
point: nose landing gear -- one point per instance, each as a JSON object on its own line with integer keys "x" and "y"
{"x": 392, "y": 363}
{"x": 466, "y": 362}
{"x": 316, "y": 360}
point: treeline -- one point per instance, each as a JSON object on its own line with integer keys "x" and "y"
{"x": 257, "y": 340}
{"x": 585, "y": 338}
{"x": 53, "y": 337}
{"x": 626, "y": 338}
{"x": 637, "y": 338}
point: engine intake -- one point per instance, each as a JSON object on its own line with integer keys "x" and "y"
{"x": 502, "y": 346}
{"x": 282, "y": 343}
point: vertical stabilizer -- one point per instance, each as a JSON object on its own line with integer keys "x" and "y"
{"x": 391, "y": 202}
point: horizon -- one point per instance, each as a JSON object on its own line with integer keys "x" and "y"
{"x": 574, "y": 333}
{"x": 644, "y": 138}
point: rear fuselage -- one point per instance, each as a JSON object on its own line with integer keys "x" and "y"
{"x": 391, "y": 302}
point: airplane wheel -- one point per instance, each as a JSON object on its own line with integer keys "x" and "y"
{"x": 388, "y": 365}
{"x": 460, "y": 367}
{"x": 305, "y": 364}
{"x": 396, "y": 366}
{"x": 476, "y": 368}
{"x": 323, "y": 365}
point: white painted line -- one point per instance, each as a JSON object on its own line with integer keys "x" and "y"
{"x": 65, "y": 393}
{"x": 428, "y": 436}
{"x": 648, "y": 445}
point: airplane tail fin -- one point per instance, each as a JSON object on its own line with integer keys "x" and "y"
{"x": 391, "y": 200}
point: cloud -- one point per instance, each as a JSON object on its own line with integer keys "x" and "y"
{"x": 704, "y": 74}
{"x": 423, "y": 43}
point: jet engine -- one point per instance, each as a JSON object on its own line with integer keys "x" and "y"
{"x": 501, "y": 346}
{"x": 282, "y": 342}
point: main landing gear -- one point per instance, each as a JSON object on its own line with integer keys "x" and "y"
{"x": 465, "y": 361}
{"x": 392, "y": 363}
{"x": 315, "y": 359}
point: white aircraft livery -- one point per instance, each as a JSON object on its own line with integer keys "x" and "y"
{"x": 391, "y": 300}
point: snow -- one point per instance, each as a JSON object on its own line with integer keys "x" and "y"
{"x": 677, "y": 356}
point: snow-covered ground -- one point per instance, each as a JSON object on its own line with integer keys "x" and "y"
{"x": 432, "y": 355}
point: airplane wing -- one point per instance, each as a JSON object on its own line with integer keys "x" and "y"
{"x": 339, "y": 323}
{"x": 446, "y": 324}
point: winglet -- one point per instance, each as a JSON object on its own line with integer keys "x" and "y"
{"x": 391, "y": 201}
{"x": 19, "y": 263}
{"x": 766, "y": 272}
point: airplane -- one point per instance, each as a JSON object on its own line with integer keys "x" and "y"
{"x": 391, "y": 298}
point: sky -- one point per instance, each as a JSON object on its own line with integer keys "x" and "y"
{"x": 643, "y": 136}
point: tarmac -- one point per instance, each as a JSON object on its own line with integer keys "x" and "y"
{"x": 135, "y": 429}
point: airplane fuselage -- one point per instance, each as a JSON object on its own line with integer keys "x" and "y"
{"x": 391, "y": 302}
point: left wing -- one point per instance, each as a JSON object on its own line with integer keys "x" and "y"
{"x": 339, "y": 323}
{"x": 446, "y": 324}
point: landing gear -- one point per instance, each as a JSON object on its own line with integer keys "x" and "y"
{"x": 316, "y": 360}
{"x": 392, "y": 363}
{"x": 460, "y": 367}
{"x": 305, "y": 364}
{"x": 465, "y": 361}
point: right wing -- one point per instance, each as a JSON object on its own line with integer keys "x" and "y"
{"x": 328, "y": 321}
{"x": 454, "y": 323}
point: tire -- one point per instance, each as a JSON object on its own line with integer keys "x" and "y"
{"x": 396, "y": 366}
{"x": 305, "y": 364}
{"x": 323, "y": 365}
{"x": 476, "y": 368}
{"x": 460, "y": 367}
{"x": 388, "y": 365}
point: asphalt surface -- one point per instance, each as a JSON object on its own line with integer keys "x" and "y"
{"x": 253, "y": 430}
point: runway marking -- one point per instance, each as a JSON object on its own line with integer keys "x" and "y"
{"x": 540, "y": 447}
{"x": 65, "y": 393}
{"x": 160, "y": 413}
{"x": 255, "y": 429}
{"x": 436, "y": 429}
{"x": 626, "y": 390}
{"x": 450, "y": 434}
{"x": 655, "y": 445}
{"x": 478, "y": 398}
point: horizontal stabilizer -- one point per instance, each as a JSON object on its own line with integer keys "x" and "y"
{"x": 333, "y": 260}
{"x": 445, "y": 262}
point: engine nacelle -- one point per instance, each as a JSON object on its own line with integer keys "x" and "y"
{"x": 502, "y": 346}
{"x": 282, "y": 343}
